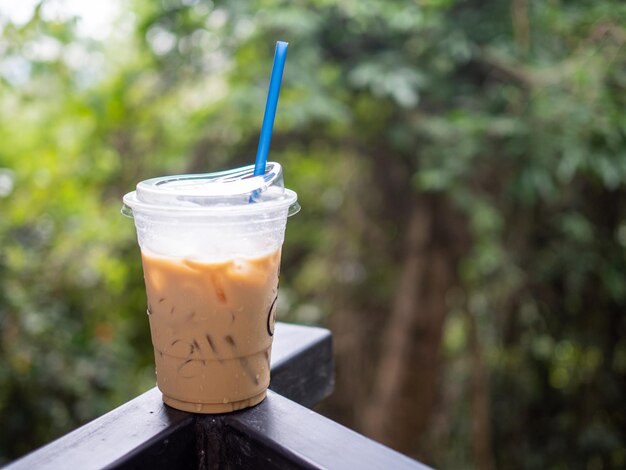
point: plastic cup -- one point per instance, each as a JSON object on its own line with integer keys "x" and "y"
{"x": 211, "y": 262}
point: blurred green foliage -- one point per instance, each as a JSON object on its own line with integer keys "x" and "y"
{"x": 515, "y": 115}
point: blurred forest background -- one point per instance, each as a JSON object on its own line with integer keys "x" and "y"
{"x": 461, "y": 165}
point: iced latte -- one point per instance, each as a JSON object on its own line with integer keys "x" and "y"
{"x": 212, "y": 327}
{"x": 210, "y": 247}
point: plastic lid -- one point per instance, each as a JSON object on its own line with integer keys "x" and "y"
{"x": 230, "y": 191}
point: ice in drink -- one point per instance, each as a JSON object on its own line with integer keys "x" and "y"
{"x": 212, "y": 327}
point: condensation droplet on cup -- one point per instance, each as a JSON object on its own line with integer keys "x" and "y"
{"x": 225, "y": 400}
{"x": 198, "y": 407}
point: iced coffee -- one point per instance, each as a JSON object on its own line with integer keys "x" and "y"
{"x": 211, "y": 247}
{"x": 212, "y": 327}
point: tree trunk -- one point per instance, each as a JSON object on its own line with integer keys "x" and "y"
{"x": 395, "y": 349}
{"x": 480, "y": 409}
{"x": 404, "y": 392}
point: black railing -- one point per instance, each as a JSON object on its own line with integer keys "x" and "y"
{"x": 278, "y": 433}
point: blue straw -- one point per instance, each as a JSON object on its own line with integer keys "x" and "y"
{"x": 270, "y": 108}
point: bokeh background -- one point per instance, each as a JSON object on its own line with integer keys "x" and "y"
{"x": 461, "y": 165}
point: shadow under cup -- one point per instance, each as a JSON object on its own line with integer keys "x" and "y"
{"x": 211, "y": 274}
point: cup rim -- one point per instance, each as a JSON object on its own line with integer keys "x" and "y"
{"x": 207, "y": 194}
{"x": 288, "y": 200}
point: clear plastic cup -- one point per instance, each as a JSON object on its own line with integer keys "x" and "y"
{"x": 211, "y": 246}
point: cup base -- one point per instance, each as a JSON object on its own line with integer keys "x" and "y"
{"x": 214, "y": 408}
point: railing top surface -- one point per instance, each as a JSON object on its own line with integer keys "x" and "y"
{"x": 278, "y": 433}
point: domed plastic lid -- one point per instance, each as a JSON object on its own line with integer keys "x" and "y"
{"x": 229, "y": 191}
